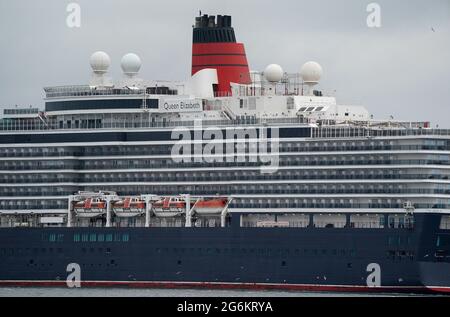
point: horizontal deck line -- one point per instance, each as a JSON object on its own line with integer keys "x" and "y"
{"x": 165, "y": 142}
{"x": 270, "y": 210}
{"x": 234, "y": 182}
{"x": 247, "y": 168}
{"x": 271, "y": 196}
{"x": 156, "y": 156}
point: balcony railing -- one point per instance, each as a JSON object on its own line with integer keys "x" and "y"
{"x": 26, "y": 125}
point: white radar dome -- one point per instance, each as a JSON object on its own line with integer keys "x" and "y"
{"x": 273, "y": 73}
{"x": 311, "y": 72}
{"x": 131, "y": 64}
{"x": 100, "y": 62}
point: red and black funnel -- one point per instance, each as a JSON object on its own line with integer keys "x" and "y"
{"x": 214, "y": 46}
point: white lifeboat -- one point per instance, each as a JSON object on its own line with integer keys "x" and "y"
{"x": 211, "y": 206}
{"x": 89, "y": 208}
{"x": 169, "y": 207}
{"x": 129, "y": 207}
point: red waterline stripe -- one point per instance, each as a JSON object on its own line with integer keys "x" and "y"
{"x": 250, "y": 286}
{"x": 439, "y": 289}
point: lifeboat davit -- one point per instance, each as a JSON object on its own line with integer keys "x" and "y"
{"x": 210, "y": 206}
{"x": 169, "y": 207}
{"x": 89, "y": 208}
{"x": 129, "y": 207}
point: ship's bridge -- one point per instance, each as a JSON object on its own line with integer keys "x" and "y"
{"x": 69, "y": 98}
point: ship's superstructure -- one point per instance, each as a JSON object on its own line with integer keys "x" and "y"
{"x": 257, "y": 175}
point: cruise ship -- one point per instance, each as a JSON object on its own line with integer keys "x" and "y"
{"x": 231, "y": 179}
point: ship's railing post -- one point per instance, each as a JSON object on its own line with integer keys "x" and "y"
{"x": 188, "y": 210}
{"x": 223, "y": 214}
{"x": 108, "y": 211}
{"x": 69, "y": 212}
{"x": 148, "y": 207}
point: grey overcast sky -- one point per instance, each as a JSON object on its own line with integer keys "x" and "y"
{"x": 401, "y": 69}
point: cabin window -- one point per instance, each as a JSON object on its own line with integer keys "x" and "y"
{"x": 443, "y": 241}
{"x": 288, "y": 220}
{"x": 329, "y": 220}
{"x": 400, "y": 221}
{"x": 367, "y": 221}
{"x": 445, "y": 222}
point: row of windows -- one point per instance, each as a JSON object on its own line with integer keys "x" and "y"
{"x": 197, "y": 251}
{"x": 30, "y": 165}
{"x": 29, "y": 251}
{"x": 208, "y": 175}
{"x": 326, "y": 131}
{"x": 209, "y": 162}
{"x": 373, "y": 221}
{"x": 392, "y": 254}
{"x": 399, "y": 240}
{"x": 99, "y": 250}
{"x": 99, "y": 104}
{"x": 241, "y": 189}
{"x": 100, "y": 237}
{"x": 202, "y": 176}
{"x": 34, "y": 264}
{"x": 53, "y": 237}
{"x": 400, "y": 255}
{"x": 88, "y": 237}
{"x": 284, "y": 146}
{"x": 257, "y": 251}
{"x": 265, "y": 185}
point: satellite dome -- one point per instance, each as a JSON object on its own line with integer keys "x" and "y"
{"x": 311, "y": 72}
{"x": 100, "y": 62}
{"x": 131, "y": 64}
{"x": 273, "y": 73}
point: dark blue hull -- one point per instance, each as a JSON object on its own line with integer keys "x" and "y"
{"x": 290, "y": 258}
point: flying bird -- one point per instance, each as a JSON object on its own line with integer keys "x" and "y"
{"x": 432, "y": 29}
